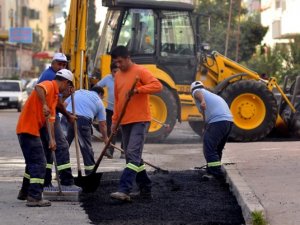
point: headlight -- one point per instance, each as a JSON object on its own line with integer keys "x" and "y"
{"x": 13, "y": 99}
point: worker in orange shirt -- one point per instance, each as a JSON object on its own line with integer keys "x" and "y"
{"x": 135, "y": 121}
{"x": 40, "y": 105}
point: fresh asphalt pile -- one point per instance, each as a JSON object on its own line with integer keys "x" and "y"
{"x": 179, "y": 197}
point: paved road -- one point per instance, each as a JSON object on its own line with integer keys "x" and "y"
{"x": 181, "y": 151}
{"x": 271, "y": 170}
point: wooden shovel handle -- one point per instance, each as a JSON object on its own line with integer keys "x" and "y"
{"x": 76, "y": 136}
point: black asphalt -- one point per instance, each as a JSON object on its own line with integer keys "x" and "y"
{"x": 178, "y": 198}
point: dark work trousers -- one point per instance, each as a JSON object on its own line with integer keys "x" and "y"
{"x": 133, "y": 137}
{"x": 84, "y": 130}
{"x": 214, "y": 139}
{"x": 35, "y": 168}
{"x": 62, "y": 155}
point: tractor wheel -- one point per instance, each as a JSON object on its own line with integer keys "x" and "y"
{"x": 197, "y": 127}
{"x": 254, "y": 110}
{"x": 163, "y": 111}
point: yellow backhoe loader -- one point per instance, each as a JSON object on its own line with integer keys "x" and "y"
{"x": 160, "y": 35}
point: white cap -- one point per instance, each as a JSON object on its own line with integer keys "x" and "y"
{"x": 67, "y": 74}
{"x": 195, "y": 85}
{"x": 59, "y": 57}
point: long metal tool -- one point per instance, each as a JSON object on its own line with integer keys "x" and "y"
{"x": 76, "y": 139}
{"x": 91, "y": 182}
{"x": 52, "y": 193}
{"x": 149, "y": 164}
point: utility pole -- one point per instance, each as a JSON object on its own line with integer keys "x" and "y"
{"x": 228, "y": 27}
{"x": 238, "y": 34}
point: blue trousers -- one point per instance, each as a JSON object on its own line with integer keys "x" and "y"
{"x": 35, "y": 168}
{"x": 214, "y": 140}
{"x": 84, "y": 130}
{"x": 133, "y": 138}
{"x": 62, "y": 155}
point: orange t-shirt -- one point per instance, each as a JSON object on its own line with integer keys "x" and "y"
{"x": 138, "y": 109}
{"x": 32, "y": 118}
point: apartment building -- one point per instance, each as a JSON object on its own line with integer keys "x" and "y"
{"x": 281, "y": 16}
{"x": 16, "y": 59}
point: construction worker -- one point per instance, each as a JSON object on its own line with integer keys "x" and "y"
{"x": 109, "y": 81}
{"x": 218, "y": 123}
{"x": 59, "y": 62}
{"x": 88, "y": 104}
{"x": 40, "y": 105}
{"x": 135, "y": 121}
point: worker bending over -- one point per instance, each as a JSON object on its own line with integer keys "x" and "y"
{"x": 40, "y": 105}
{"x": 88, "y": 104}
{"x": 218, "y": 123}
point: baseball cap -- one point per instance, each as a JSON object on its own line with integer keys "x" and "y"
{"x": 67, "y": 74}
{"x": 59, "y": 57}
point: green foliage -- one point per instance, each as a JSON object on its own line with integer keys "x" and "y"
{"x": 283, "y": 60}
{"x": 251, "y": 32}
{"x": 251, "y": 35}
{"x": 258, "y": 218}
{"x": 92, "y": 30}
{"x": 269, "y": 63}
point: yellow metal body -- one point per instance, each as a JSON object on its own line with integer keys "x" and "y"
{"x": 248, "y": 109}
{"x": 74, "y": 43}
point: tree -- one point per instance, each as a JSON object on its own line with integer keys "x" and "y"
{"x": 251, "y": 34}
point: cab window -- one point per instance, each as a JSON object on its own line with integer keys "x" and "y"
{"x": 137, "y": 31}
{"x": 177, "y": 36}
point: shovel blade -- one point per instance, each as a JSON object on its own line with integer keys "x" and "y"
{"x": 88, "y": 183}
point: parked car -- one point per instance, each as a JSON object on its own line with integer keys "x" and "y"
{"x": 12, "y": 94}
{"x": 30, "y": 85}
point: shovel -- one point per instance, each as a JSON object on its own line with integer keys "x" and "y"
{"x": 76, "y": 143}
{"x": 91, "y": 182}
{"x": 158, "y": 169}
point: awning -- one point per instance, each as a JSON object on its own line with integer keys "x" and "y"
{"x": 43, "y": 55}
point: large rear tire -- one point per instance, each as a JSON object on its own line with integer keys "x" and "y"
{"x": 163, "y": 109}
{"x": 197, "y": 127}
{"x": 254, "y": 110}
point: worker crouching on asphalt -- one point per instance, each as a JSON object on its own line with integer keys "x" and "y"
{"x": 135, "y": 121}
{"x": 218, "y": 123}
{"x": 40, "y": 105}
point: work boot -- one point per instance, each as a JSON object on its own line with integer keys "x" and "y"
{"x": 120, "y": 196}
{"x": 22, "y": 195}
{"x": 32, "y": 202}
{"x": 122, "y": 156}
{"x": 108, "y": 155}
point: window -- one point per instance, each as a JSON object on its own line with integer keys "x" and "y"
{"x": 108, "y": 32}
{"x": 137, "y": 31}
{"x": 176, "y": 34}
{"x": 9, "y": 86}
{"x": 277, "y": 4}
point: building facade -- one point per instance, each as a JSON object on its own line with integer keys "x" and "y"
{"x": 16, "y": 59}
{"x": 281, "y": 17}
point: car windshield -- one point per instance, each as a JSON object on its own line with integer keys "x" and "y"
{"x": 9, "y": 86}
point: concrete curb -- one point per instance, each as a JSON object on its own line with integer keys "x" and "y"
{"x": 246, "y": 198}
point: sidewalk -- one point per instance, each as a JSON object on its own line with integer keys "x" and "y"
{"x": 265, "y": 176}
